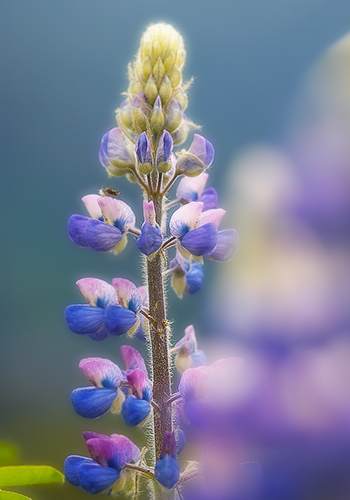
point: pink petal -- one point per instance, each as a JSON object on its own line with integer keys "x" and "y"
{"x": 116, "y": 213}
{"x": 101, "y": 372}
{"x": 185, "y": 219}
{"x": 127, "y": 293}
{"x": 91, "y": 203}
{"x": 97, "y": 292}
{"x": 213, "y": 215}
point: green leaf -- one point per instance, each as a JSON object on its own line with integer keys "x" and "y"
{"x": 9, "y": 495}
{"x": 29, "y": 474}
{"x": 8, "y": 453}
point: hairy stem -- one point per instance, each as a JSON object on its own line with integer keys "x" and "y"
{"x": 159, "y": 340}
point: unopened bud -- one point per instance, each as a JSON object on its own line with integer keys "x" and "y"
{"x": 151, "y": 90}
{"x": 165, "y": 90}
{"x": 157, "y": 118}
{"x": 144, "y": 154}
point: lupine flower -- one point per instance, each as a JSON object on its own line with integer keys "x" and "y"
{"x": 186, "y": 277}
{"x": 116, "y": 153}
{"x": 196, "y": 231}
{"x": 197, "y": 159}
{"x": 142, "y": 331}
{"x": 130, "y": 391}
{"x": 92, "y": 402}
{"x": 187, "y": 354}
{"x": 124, "y": 317}
{"x": 136, "y": 406}
{"x": 226, "y": 246}
{"x": 107, "y": 227}
{"x": 103, "y": 470}
{"x": 89, "y": 319}
{"x": 167, "y": 469}
{"x": 192, "y": 189}
{"x": 150, "y": 238}
{"x": 112, "y": 310}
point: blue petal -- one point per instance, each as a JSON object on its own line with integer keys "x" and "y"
{"x": 119, "y": 320}
{"x": 226, "y": 245}
{"x": 84, "y": 319}
{"x": 71, "y": 468}
{"x": 194, "y": 279}
{"x": 94, "y": 478}
{"x": 198, "y": 358}
{"x": 77, "y": 230}
{"x": 143, "y": 149}
{"x": 167, "y": 471}
{"x": 150, "y": 239}
{"x": 201, "y": 240}
{"x": 135, "y": 410}
{"x": 209, "y": 198}
{"x": 198, "y": 413}
{"x": 102, "y": 237}
{"x": 92, "y": 402}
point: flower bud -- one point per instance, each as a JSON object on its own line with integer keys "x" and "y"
{"x": 197, "y": 159}
{"x": 144, "y": 154}
{"x": 174, "y": 115}
{"x": 157, "y": 118}
{"x": 115, "y": 155}
{"x": 151, "y": 90}
{"x": 165, "y": 90}
{"x": 165, "y": 147}
{"x": 158, "y": 71}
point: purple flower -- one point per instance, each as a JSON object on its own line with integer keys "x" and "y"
{"x": 88, "y": 319}
{"x": 106, "y": 229}
{"x": 92, "y": 402}
{"x": 150, "y": 239}
{"x": 116, "y": 153}
{"x": 196, "y": 231}
{"x": 167, "y": 469}
{"x": 192, "y": 189}
{"x": 187, "y": 354}
{"x": 114, "y": 390}
{"x": 136, "y": 406}
{"x": 103, "y": 470}
{"x": 123, "y": 317}
{"x": 197, "y": 159}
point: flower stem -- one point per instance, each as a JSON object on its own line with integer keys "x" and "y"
{"x": 162, "y": 420}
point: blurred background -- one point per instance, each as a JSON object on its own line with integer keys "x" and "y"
{"x": 272, "y": 92}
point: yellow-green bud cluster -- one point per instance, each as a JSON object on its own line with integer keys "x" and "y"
{"x": 156, "y": 97}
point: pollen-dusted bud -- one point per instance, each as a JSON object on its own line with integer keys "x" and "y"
{"x": 158, "y": 71}
{"x": 175, "y": 77}
{"x": 157, "y": 118}
{"x": 144, "y": 154}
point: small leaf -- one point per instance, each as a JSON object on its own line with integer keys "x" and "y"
{"x": 29, "y": 474}
{"x": 9, "y": 495}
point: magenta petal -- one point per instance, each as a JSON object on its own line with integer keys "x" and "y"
{"x": 132, "y": 452}
{"x": 194, "y": 383}
{"x": 132, "y": 358}
{"x": 106, "y": 452}
{"x": 140, "y": 384}
{"x": 91, "y": 204}
{"x": 214, "y": 215}
{"x": 101, "y": 372}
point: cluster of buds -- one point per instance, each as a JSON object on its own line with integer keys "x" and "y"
{"x": 151, "y": 121}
